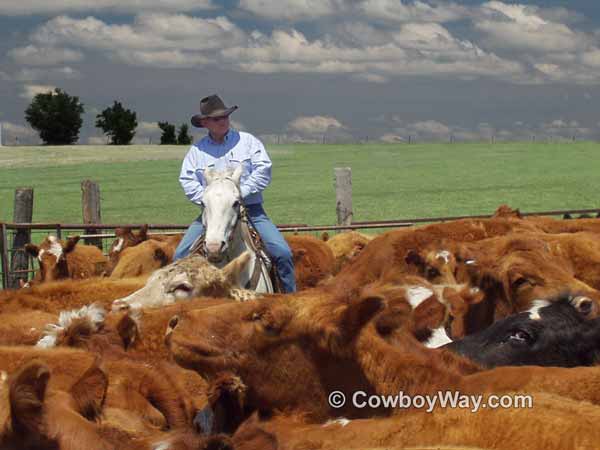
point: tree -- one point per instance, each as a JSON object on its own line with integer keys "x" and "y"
{"x": 168, "y": 133}
{"x": 56, "y": 116}
{"x": 183, "y": 138}
{"x": 118, "y": 123}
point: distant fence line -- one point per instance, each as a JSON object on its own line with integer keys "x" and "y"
{"x": 17, "y": 265}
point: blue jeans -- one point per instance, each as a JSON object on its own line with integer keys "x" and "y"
{"x": 276, "y": 246}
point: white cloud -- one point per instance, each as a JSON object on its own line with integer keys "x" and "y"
{"x": 436, "y": 52}
{"x": 97, "y": 140}
{"x": 313, "y": 125}
{"x": 290, "y": 9}
{"x": 522, "y": 27}
{"x": 55, "y": 73}
{"x": 18, "y": 134}
{"x": 10, "y": 7}
{"x": 148, "y": 127}
{"x": 31, "y": 90}
{"x": 148, "y": 32}
{"x": 32, "y": 55}
{"x": 418, "y": 11}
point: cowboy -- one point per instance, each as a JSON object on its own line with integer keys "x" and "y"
{"x": 222, "y": 148}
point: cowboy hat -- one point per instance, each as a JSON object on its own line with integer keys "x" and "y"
{"x": 211, "y": 106}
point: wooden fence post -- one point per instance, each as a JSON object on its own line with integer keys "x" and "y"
{"x": 343, "y": 195}
{"x": 4, "y": 255}
{"x": 90, "y": 203}
{"x": 23, "y": 213}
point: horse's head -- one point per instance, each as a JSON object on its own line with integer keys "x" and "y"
{"x": 222, "y": 202}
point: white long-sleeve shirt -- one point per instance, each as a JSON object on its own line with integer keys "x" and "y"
{"x": 237, "y": 148}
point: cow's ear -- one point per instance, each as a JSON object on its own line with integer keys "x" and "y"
{"x": 89, "y": 392}
{"x": 298, "y": 254}
{"x": 358, "y": 313}
{"x": 71, "y": 243}
{"x": 413, "y": 257}
{"x": 161, "y": 256}
{"x": 122, "y": 231}
{"x": 128, "y": 330}
{"x": 32, "y": 249}
{"x": 27, "y": 390}
{"x": 219, "y": 442}
{"x": 143, "y": 234}
{"x": 233, "y": 271}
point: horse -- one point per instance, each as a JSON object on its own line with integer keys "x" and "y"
{"x": 228, "y": 230}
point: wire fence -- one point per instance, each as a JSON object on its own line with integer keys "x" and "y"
{"x": 37, "y": 232}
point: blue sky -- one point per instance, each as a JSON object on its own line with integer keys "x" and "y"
{"x": 304, "y": 69}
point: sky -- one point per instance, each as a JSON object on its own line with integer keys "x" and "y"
{"x": 312, "y": 70}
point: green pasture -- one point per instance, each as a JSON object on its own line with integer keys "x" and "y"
{"x": 139, "y": 184}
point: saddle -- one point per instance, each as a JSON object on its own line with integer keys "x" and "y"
{"x": 254, "y": 242}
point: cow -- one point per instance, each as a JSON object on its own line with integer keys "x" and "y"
{"x": 124, "y": 238}
{"x": 513, "y": 271}
{"x": 145, "y": 258}
{"x": 58, "y": 259}
{"x": 555, "y": 332}
{"x": 253, "y": 341}
{"x": 346, "y": 246}
{"x": 386, "y": 254}
{"x": 35, "y": 416}
{"x": 327, "y": 336}
{"x": 24, "y": 327}
{"x": 67, "y": 295}
{"x": 313, "y": 260}
{"x": 437, "y": 265}
{"x": 189, "y": 277}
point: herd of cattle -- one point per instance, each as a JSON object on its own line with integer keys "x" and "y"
{"x": 134, "y": 351}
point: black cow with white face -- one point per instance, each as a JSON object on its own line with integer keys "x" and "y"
{"x": 556, "y": 332}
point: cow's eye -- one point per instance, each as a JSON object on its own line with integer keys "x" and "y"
{"x": 522, "y": 282}
{"x": 236, "y": 204}
{"x": 519, "y": 337}
{"x": 432, "y": 272}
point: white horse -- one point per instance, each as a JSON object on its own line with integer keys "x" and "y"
{"x": 226, "y": 228}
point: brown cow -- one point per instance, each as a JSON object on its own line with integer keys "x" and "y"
{"x": 390, "y": 370}
{"x": 385, "y": 256}
{"x": 346, "y": 246}
{"x": 324, "y": 337}
{"x": 35, "y": 416}
{"x": 313, "y": 260}
{"x": 58, "y": 259}
{"x": 67, "y": 295}
{"x": 125, "y": 238}
{"x": 513, "y": 271}
{"x": 145, "y": 257}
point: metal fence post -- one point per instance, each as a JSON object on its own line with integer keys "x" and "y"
{"x": 343, "y": 194}
{"x": 90, "y": 202}
{"x": 23, "y": 213}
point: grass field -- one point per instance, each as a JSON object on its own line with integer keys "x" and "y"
{"x": 139, "y": 183}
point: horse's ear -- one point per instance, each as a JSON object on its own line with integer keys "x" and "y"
{"x": 237, "y": 174}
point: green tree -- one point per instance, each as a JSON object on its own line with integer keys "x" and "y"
{"x": 183, "y": 138}
{"x": 56, "y": 116}
{"x": 118, "y": 123}
{"x": 168, "y": 133}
